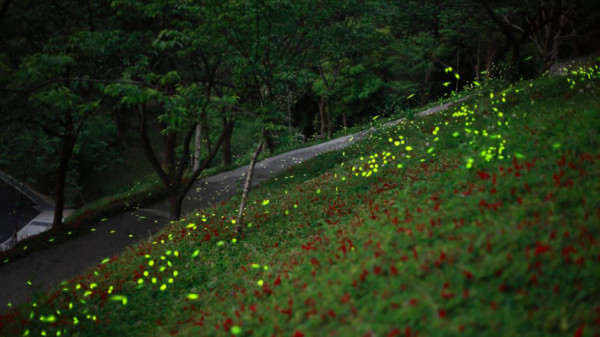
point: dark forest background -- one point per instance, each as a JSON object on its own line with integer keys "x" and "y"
{"x": 98, "y": 95}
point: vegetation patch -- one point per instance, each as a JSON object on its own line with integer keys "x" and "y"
{"x": 480, "y": 220}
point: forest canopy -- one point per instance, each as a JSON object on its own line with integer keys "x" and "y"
{"x": 78, "y": 78}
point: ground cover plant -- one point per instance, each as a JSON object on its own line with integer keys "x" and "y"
{"x": 478, "y": 221}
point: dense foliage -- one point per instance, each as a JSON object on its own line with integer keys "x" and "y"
{"x": 82, "y": 77}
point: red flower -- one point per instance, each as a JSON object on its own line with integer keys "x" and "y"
{"x": 541, "y": 248}
{"x": 579, "y": 332}
{"x": 447, "y": 295}
{"x": 394, "y": 333}
{"x": 483, "y": 175}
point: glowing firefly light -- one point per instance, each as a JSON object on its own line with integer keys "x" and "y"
{"x": 119, "y": 298}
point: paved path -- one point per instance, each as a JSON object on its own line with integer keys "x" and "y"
{"x": 42, "y": 203}
{"x": 222, "y": 186}
{"x": 16, "y": 211}
{"x": 22, "y": 210}
{"x": 47, "y": 268}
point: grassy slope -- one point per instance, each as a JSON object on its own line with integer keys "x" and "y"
{"x": 480, "y": 221}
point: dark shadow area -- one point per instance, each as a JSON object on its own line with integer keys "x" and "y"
{"x": 16, "y": 210}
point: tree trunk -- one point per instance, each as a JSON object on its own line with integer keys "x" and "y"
{"x": 329, "y": 125}
{"x": 268, "y": 144}
{"x": 183, "y": 186}
{"x": 457, "y": 70}
{"x": 198, "y": 146}
{"x": 68, "y": 144}
{"x": 226, "y": 146}
{"x": 206, "y": 131}
{"x": 289, "y": 112}
{"x": 169, "y": 143}
{"x": 490, "y": 56}
{"x": 175, "y": 205}
{"x": 516, "y": 66}
{"x": 425, "y": 87}
{"x": 555, "y": 32}
{"x": 119, "y": 115}
{"x": 515, "y": 52}
{"x": 323, "y": 116}
{"x": 172, "y": 174}
{"x": 478, "y": 64}
{"x": 247, "y": 185}
{"x": 344, "y": 119}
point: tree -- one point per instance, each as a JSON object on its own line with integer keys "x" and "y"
{"x": 542, "y": 22}
{"x": 201, "y": 68}
{"x": 269, "y": 41}
{"x": 182, "y": 39}
{"x": 49, "y": 75}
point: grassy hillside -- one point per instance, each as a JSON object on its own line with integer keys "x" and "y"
{"x": 479, "y": 221}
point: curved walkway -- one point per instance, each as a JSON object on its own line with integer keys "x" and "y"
{"x": 42, "y": 203}
{"x": 15, "y": 211}
{"x": 33, "y": 211}
{"x": 47, "y": 268}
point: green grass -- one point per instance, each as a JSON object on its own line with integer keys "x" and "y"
{"x": 123, "y": 196}
{"x": 484, "y": 222}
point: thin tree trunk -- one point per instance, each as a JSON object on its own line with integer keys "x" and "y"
{"x": 198, "y": 146}
{"x": 148, "y": 150}
{"x": 478, "y": 64}
{"x": 247, "y": 185}
{"x": 206, "y": 132}
{"x": 457, "y": 69}
{"x": 169, "y": 143}
{"x": 61, "y": 178}
{"x": 328, "y": 123}
{"x": 121, "y": 127}
{"x": 185, "y": 186}
{"x": 169, "y": 166}
{"x": 425, "y": 88}
{"x": 344, "y": 119}
{"x": 515, "y": 52}
{"x": 490, "y": 56}
{"x": 226, "y": 146}
{"x": 289, "y": 112}
{"x": 551, "y": 56}
{"x": 323, "y": 116}
{"x": 516, "y": 66}
{"x": 175, "y": 205}
{"x": 172, "y": 174}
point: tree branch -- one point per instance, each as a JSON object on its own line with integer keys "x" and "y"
{"x": 203, "y": 166}
{"x": 186, "y": 152}
{"x": 503, "y": 27}
{"x": 148, "y": 148}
